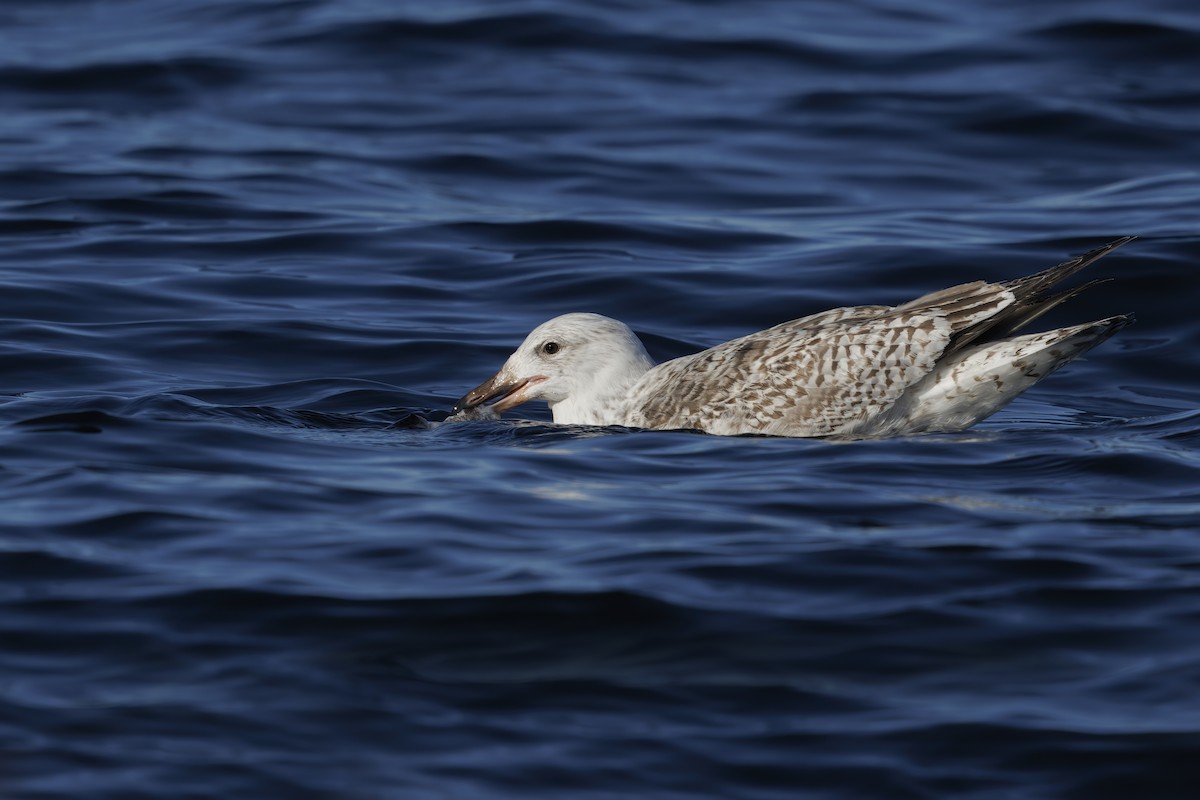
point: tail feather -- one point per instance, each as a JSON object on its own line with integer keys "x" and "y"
{"x": 977, "y": 382}
{"x": 1031, "y": 298}
{"x": 1037, "y": 308}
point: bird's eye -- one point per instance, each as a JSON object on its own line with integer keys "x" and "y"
{"x": 550, "y": 348}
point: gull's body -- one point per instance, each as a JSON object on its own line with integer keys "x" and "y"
{"x": 939, "y": 363}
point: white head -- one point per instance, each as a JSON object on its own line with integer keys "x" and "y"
{"x": 581, "y": 364}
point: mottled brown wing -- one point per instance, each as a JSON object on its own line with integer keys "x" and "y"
{"x": 822, "y": 375}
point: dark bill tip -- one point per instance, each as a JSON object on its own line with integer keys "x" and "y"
{"x": 492, "y": 389}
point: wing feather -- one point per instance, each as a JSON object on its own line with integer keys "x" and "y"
{"x": 837, "y": 371}
{"x": 820, "y": 380}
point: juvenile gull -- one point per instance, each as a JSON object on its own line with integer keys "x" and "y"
{"x": 939, "y": 363}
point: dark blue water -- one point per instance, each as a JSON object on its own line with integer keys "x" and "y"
{"x": 247, "y": 247}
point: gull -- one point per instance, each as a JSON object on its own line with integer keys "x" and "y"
{"x": 939, "y": 363}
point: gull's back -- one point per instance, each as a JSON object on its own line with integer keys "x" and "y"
{"x": 941, "y": 362}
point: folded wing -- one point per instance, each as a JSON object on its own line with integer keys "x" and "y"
{"x": 840, "y": 371}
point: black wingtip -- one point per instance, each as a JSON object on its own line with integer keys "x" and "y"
{"x": 1099, "y": 252}
{"x": 1033, "y": 286}
{"x": 1105, "y": 249}
{"x": 1124, "y": 320}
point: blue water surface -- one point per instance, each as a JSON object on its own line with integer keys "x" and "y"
{"x": 254, "y": 250}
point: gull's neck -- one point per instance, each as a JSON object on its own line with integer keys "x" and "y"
{"x": 601, "y": 397}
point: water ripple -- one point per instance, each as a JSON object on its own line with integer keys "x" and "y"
{"x": 255, "y": 251}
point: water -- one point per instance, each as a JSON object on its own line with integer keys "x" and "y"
{"x": 249, "y": 246}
